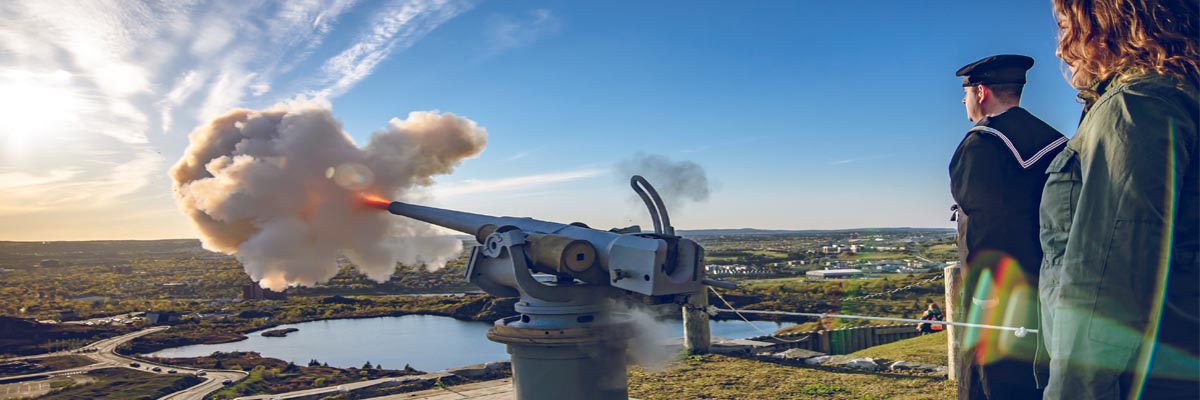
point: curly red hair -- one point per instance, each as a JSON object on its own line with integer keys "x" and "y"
{"x": 1100, "y": 39}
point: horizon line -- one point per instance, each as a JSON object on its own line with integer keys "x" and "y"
{"x": 463, "y": 234}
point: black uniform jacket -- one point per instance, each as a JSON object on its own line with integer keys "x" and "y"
{"x": 996, "y": 177}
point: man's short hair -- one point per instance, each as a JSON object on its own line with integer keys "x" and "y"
{"x": 1007, "y": 91}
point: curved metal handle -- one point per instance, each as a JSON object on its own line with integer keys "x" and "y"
{"x": 657, "y": 207}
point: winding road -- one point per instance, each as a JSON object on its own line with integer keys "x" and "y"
{"x": 107, "y": 357}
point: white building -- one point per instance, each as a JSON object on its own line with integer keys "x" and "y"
{"x": 833, "y": 273}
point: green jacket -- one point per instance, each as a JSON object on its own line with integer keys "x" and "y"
{"x": 1119, "y": 229}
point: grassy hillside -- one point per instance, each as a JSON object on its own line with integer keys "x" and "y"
{"x": 926, "y": 349}
{"x": 124, "y": 384}
{"x": 723, "y": 377}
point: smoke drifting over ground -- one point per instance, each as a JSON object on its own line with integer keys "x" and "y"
{"x": 678, "y": 182}
{"x": 279, "y": 188}
{"x": 649, "y": 333}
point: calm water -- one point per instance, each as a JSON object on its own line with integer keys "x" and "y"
{"x": 428, "y": 343}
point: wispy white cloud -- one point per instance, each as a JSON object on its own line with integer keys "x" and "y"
{"x": 515, "y": 184}
{"x": 506, "y": 32}
{"x": 225, "y": 92}
{"x": 853, "y": 160}
{"x": 258, "y": 52}
{"x": 95, "y": 43}
{"x": 519, "y": 156}
{"x": 152, "y": 57}
{"x": 524, "y": 153}
{"x": 128, "y": 177}
{"x": 84, "y": 83}
{"x": 184, "y": 88}
{"x": 214, "y": 34}
{"x": 103, "y": 185}
{"x": 18, "y": 180}
{"x": 400, "y": 25}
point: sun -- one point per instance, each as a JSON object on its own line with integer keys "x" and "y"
{"x": 33, "y": 105}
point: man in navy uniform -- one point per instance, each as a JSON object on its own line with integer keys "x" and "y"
{"x": 996, "y": 178}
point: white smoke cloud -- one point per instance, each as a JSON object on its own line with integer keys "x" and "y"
{"x": 279, "y": 188}
{"x": 649, "y": 332}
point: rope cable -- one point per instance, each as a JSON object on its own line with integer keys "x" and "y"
{"x": 735, "y": 311}
{"x": 1018, "y": 331}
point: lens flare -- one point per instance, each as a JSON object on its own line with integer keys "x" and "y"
{"x": 1002, "y": 295}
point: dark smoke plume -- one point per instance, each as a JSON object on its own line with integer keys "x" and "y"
{"x": 279, "y": 189}
{"x": 678, "y": 182}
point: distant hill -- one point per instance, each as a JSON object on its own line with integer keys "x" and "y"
{"x": 753, "y": 231}
{"x": 95, "y": 252}
{"x": 51, "y": 248}
{"x": 161, "y": 245}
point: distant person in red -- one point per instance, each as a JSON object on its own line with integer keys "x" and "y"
{"x": 933, "y": 313}
{"x": 996, "y": 178}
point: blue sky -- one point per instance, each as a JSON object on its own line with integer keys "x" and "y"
{"x": 805, "y": 115}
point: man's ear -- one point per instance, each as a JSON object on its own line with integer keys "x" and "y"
{"x": 984, "y": 93}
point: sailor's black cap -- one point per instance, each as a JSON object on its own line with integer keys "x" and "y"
{"x": 994, "y": 70}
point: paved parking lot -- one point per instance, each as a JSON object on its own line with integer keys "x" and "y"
{"x": 24, "y": 389}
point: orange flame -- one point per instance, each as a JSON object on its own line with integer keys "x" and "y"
{"x": 374, "y": 201}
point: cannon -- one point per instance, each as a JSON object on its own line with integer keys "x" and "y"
{"x": 647, "y": 263}
{"x": 564, "y": 343}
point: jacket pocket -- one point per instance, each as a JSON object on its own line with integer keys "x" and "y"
{"x": 1126, "y": 292}
{"x": 1059, "y": 198}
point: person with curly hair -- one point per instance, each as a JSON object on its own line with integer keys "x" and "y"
{"x": 1120, "y": 211}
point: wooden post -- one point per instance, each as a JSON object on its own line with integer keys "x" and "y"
{"x": 953, "y": 276}
{"x": 837, "y": 341}
{"x": 848, "y": 340}
{"x": 696, "y": 338}
{"x": 854, "y": 339}
{"x": 823, "y": 342}
{"x": 851, "y": 341}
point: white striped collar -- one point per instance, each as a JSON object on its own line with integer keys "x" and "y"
{"x": 1025, "y": 164}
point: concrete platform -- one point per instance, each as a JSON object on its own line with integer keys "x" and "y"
{"x": 738, "y": 346}
{"x": 500, "y": 389}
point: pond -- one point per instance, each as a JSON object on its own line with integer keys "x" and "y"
{"x": 425, "y": 342}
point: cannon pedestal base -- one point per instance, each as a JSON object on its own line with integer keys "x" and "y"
{"x": 584, "y": 363}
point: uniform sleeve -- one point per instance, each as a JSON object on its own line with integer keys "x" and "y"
{"x": 979, "y": 191}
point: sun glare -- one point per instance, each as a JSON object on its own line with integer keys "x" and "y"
{"x": 35, "y": 104}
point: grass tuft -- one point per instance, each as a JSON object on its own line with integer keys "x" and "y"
{"x": 822, "y": 389}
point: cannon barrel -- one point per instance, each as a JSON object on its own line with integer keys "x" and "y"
{"x": 464, "y": 222}
{"x": 636, "y": 262}
{"x": 481, "y": 225}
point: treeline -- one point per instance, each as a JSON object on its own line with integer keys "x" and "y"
{"x": 406, "y": 280}
{"x": 141, "y": 285}
{"x": 20, "y": 337}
